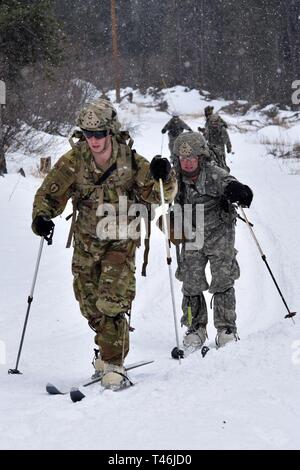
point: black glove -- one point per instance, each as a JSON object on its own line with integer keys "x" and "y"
{"x": 163, "y": 131}
{"x": 240, "y": 193}
{"x": 42, "y": 226}
{"x": 160, "y": 168}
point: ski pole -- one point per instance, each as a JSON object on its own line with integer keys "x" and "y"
{"x": 162, "y": 144}
{"x": 169, "y": 261}
{"x": 264, "y": 258}
{"x": 30, "y": 299}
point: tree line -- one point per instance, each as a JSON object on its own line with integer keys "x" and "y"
{"x": 238, "y": 49}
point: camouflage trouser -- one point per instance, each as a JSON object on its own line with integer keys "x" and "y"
{"x": 219, "y": 250}
{"x": 104, "y": 285}
{"x": 171, "y": 143}
{"x": 221, "y": 159}
{"x": 222, "y": 162}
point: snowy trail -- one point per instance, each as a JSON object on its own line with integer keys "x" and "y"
{"x": 245, "y": 396}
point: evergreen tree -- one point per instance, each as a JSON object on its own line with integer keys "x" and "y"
{"x": 29, "y": 35}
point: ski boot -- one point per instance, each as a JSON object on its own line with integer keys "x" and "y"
{"x": 225, "y": 336}
{"x": 194, "y": 339}
{"x": 114, "y": 377}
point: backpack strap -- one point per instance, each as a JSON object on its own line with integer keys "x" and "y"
{"x": 106, "y": 174}
{"x": 146, "y": 245}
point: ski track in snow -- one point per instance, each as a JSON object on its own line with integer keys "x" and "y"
{"x": 245, "y": 396}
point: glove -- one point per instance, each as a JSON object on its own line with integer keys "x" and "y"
{"x": 229, "y": 148}
{"x": 42, "y": 226}
{"x": 240, "y": 193}
{"x": 160, "y": 168}
{"x": 163, "y": 131}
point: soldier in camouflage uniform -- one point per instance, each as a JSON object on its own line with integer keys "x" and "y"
{"x": 98, "y": 170}
{"x": 217, "y": 136}
{"x": 175, "y": 127}
{"x": 209, "y": 111}
{"x": 203, "y": 182}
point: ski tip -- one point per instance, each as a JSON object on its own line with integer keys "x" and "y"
{"x": 204, "y": 351}
{"x": 76, "y": 395}
{"x": 52, "y": 390}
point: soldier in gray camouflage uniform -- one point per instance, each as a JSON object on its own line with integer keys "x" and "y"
{"x": 175, "y": 127}
{"x": 217, "y": 137}
{"x": 203, "y": 182}
{"x": 99, "y": 170}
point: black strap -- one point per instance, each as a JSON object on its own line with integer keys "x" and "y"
{"x": 106, "y": 174}
{"x": 146, "y": 246}
{"x": 113, "y": 167}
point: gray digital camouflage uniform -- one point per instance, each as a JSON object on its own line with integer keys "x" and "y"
{"x": 103, "y": 270}
{"x": 218, "y": 249}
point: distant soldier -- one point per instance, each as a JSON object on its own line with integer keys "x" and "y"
{"x": 104, "y": 96}
{"x": 217, "y": 137}
{"x": 175, "y": 127}
{"x": 209, "y": 111}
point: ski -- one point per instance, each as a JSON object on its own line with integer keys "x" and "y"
{"x": 53, "y": 390}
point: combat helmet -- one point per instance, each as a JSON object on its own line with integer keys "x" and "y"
{"x": 190, "y": 143}
{"x": 99, "y": 115}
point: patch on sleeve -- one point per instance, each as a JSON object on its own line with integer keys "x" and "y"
{"x": 54, "y": 188}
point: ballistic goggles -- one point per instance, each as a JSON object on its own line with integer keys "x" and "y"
{"x": 189, "y": 157}
{"x": 97, "y": 134}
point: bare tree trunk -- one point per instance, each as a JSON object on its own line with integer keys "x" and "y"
{"x": 3, "y": 169}
{"x": 115, "y": 49}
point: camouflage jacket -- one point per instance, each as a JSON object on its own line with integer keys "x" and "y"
{"x": 208, "y": 190}
{"x": 176, "y": 127}
{"x": 221, "y": 121}
{"x": 75, "y": 175}
{"x": 218, "y": 137}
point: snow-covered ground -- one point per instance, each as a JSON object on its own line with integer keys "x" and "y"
{"x": 245, "y": 396}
